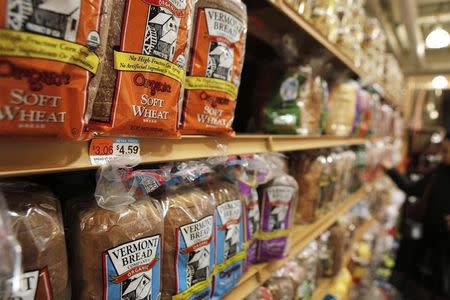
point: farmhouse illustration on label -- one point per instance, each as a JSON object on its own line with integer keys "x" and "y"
{"x": 220, "y": 61}
{"x": 138, "y": 287}
{"x": 161, "y": 33}
{"x": 54, "y": 18}
{"x": 253, "y": 216}
{"x": 231, "y": 241}
{"x": 198, "y": 265}
{"x": 277, "y": 217}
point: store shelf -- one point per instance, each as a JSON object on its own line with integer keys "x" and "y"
{"x": 27, "y": 158}
{"x": 341, "y": 55}
{"x": 325, "y": 284}
{"x": 299, "y": 238}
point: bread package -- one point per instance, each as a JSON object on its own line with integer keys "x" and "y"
{"x": 254, "y": 172}
{"x": 229, "y": 235}
{"x": 342, "y": 108}
{"x": 188, "y": 248}
{"x": 141, "y": 89}
{"x": 37, "y": 225}
{"x": 116, "y": 241}
{"x": 50, "y": 50}
{"x": 278, "y": 198}
{"x": 215, "y": 66}
{"x": 307, "y": 169}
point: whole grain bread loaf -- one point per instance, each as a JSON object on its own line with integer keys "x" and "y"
{"x": 36, "y": 221}
{"x": 183, "y": 206}
{"x": 94, "y": 230}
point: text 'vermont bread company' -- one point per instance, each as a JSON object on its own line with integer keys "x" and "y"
{"x": 215, "y": 67}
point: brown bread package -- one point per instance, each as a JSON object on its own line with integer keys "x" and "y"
{"x": 189, "y": 209}
{"x": 116, "y": 241}
{"x": 188, "y": 247}
{"x": 229, "y": 234}
{"x": 36, "y": 222}
{"x": 307, "y": 169}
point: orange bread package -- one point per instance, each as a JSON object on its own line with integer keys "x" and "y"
{"x": 141, "y": 89}
{"x": 49, "y": 53}
{"x": 215, "y": 66}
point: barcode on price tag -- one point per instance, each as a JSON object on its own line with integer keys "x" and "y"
{"x": 103, "y": 150}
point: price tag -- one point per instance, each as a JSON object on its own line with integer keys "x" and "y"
{"x": 103, "y": 150}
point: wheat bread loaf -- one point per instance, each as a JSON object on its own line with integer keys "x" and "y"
{"x": 229, "y": 235}
{"x": 37, "y": 225}
{"x": 188, "y": 247}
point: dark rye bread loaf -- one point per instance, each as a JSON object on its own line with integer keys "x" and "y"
{"x": 36, "y": 221}
{"x": 94, "y": 230}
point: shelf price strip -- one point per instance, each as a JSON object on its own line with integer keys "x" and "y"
{"x": 104, "y": 150}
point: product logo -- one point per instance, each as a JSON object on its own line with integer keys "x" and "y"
{"x": 223, "y": 24}
{"x": 279, "y": 199}
{"x": 154, "y": 85}
{"x": 36, "y": 79}
{"x": 133, "y": 263}
{"x": 197, "y": 232}
{"x": 230, "y": 220}
{"x": 178, "y": 4}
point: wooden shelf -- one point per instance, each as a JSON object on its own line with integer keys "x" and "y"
{"x": 339, "y": 53}
{"x": 28, "y": 158}
{"x": 325, "y": 284}
{"x": 300, "y": 236}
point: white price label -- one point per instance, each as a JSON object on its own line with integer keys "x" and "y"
{"x": 103, "y": 150}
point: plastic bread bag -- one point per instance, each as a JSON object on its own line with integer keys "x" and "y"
{"x": 307, "y": 168}
{"x": 342, "y": 107}
{"x": 50, "y": 54}
{"x": 260, "y": 293}
{"x": 117, "y": 237}
{"x": 141, "y": 89}
{"x": 37, "y": 225}
{"x": 215, "y": 67}
{"x": 281, "y": 288}
{"x": 188, "y": 248}
{"x": 308, "y": 262}
{"x": 278, "y": 198}
{"x": 10, "y": 261}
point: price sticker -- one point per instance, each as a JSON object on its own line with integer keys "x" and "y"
{"x": 103, "y": 150}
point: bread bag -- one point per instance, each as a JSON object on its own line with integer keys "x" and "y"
{"x": 215, "y": 66}
{"x": 141, "y": 89}
{"x": 37, "y": 225}
{"x": 50, "y": 50}
{"x": 188, "y": 248}
{"x": 229, "y": 235}
{"x": 116, "y": 240}
{"x": 278, "y": 198}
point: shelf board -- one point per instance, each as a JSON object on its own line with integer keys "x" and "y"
{"x": 300, "y": 236}
{"x": 340, "y": 54}
{"x": 325, "y": 284}
{"x": 29, "y": 158}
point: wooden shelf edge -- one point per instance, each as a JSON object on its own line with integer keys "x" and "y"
{"x": 334, "y": 49}
{"x": 301, "y": 235}
{"x": 30, "y": 158}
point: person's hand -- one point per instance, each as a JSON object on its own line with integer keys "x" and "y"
{"x": 386, "y": 164}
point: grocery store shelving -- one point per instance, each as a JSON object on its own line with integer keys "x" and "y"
{"x": 27, "y": 158}
{"x": 324, "y": 285}
{"x": 300, "y": 236}
{"x": 331, "y": 47}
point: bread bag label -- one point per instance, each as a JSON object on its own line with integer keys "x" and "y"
{"x": 214, "y": 72}
{"x": 33, "y": 285}
{"x": 276, "y": 206}
{"x": 195, "y": 259}
{"x": 132, "y": 270}
{"x": 46, "y": 65}
{"x": 251, "y": 220}
{"x": 229, "y": 246}
{"x": 150, "y": 67}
